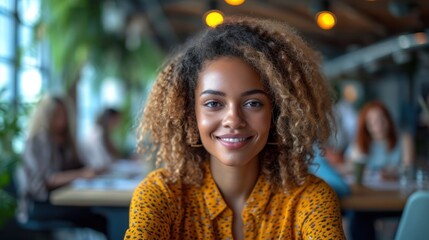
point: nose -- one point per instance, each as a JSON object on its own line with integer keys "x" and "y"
{"x": 233, "y": 118}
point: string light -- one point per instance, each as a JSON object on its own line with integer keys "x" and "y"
{"x": 326, "y": 20}
{"x": 213, "y": 18}
{"x": 235, "y": 2}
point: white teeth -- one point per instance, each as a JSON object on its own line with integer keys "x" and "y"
{"x": 233, "y": 140}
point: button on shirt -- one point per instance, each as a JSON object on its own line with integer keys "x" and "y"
{"x": 163, "y": 210}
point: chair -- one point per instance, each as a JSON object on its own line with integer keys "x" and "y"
{"x": 414, "y": 222}
{"x": 46, "y": 227}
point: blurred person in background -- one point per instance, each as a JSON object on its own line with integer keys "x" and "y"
{"x": 98, "y": 146}
{"x": 346, "y": 122}
{"x": 379, "y": 144}
{"x": 384, "y": 151}
{"x": 51, "y": 160}
{"x": 322, "y": 168}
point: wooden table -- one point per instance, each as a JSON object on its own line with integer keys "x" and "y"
{"x": 362, "y": 198}
{"x": 368, "y": 199}
{"x": 71, "y": 196}
{"x": 108, "y": 195}
{"x": 112, "y": 204}
{"x": 376, "y": 194}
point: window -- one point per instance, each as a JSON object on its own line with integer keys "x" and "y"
{"x": 30, "y": 84}
{"x": 29, "y": 11}
{"x": 6, "y": 46}
{"x": 23, "y": 82}
{"x": 7, "y": 5}
{"x": 24, "y": 71}
{"x": 5, "y": 75}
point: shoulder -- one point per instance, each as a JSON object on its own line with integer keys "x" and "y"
{"x": 157, "y": 184}
{"x": 313, "y": 187}
{"x": 315, "y": 182}
{"x": 316, "y": 197}
{"x": 317, "y": 190}
{"x": 158, "y": 177}
{"x": 38, "y": 138}
{"x": 37, "y": 144}
{"x": 319, "y": 211}
{"x": 155, "y": 207}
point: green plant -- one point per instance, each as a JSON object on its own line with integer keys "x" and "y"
{"x": 77, "y": 37}
{"x": 10, "y": 131}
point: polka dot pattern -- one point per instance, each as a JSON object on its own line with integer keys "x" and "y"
{"x": 161, "y": 210}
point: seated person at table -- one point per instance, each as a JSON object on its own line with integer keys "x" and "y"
{"x": 234, "y": 117}
{"x": 346, "y": 122}
{"x": 322, "y": 168}
{"x": 377, "y": 143}
{"x": 98, "y": 148}
{"x": 383, "y": 152}
{"x": 50, "y": 160}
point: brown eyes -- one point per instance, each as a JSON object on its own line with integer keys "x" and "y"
{"x": 251, "y": 104}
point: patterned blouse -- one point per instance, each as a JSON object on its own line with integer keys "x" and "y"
{"x": 161, "y": 210}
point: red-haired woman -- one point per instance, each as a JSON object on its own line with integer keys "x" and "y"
{"x": 378, "y": 143}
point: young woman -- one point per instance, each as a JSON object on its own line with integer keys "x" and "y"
{"x": 233, "y": 118}
{"x": 51, "y": 160}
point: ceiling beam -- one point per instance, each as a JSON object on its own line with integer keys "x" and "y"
{"x": 159, "y": 20}
{"x": 371, "y": 54}
{"x": 361, "y": 19}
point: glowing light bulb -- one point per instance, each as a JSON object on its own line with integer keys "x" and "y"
{"x": 234, "y": 2}
{"x": 326, "y": 20}
{"x": 213, "y": 18}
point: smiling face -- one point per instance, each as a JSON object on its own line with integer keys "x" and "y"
{"x": 233, "y": 111}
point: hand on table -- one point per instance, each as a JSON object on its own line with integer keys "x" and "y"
{"x": 389, "y": 174}
{"x": 91, "y": 172}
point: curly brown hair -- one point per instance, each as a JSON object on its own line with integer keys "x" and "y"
{"x": 289, "y": 68}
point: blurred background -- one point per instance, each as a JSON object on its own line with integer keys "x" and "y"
{"x": 106, "y": 53}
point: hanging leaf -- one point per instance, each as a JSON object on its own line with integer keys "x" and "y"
{"x": 76, "y": 35}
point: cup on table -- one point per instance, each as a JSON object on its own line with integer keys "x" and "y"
{"x": 390, "y": 173}
{"x": 358, "y": 171}
{"x": 407, "y": 180}
{"x": 422, "y": 178}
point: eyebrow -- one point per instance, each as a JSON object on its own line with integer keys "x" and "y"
{"x": 247, "y": 93}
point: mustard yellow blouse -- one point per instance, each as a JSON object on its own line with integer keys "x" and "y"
{"x": 161, "y": 210}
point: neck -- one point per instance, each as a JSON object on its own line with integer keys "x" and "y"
{"x": 380, "y": 139}
{"x": 235, "y": 183}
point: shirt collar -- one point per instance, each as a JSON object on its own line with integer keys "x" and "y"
{"x": 260, "y": 196}
{"x": 212, "y": 197}
{"x": 215, "y": 203}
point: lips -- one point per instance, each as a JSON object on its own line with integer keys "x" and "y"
{"x": 233, "y": 142}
